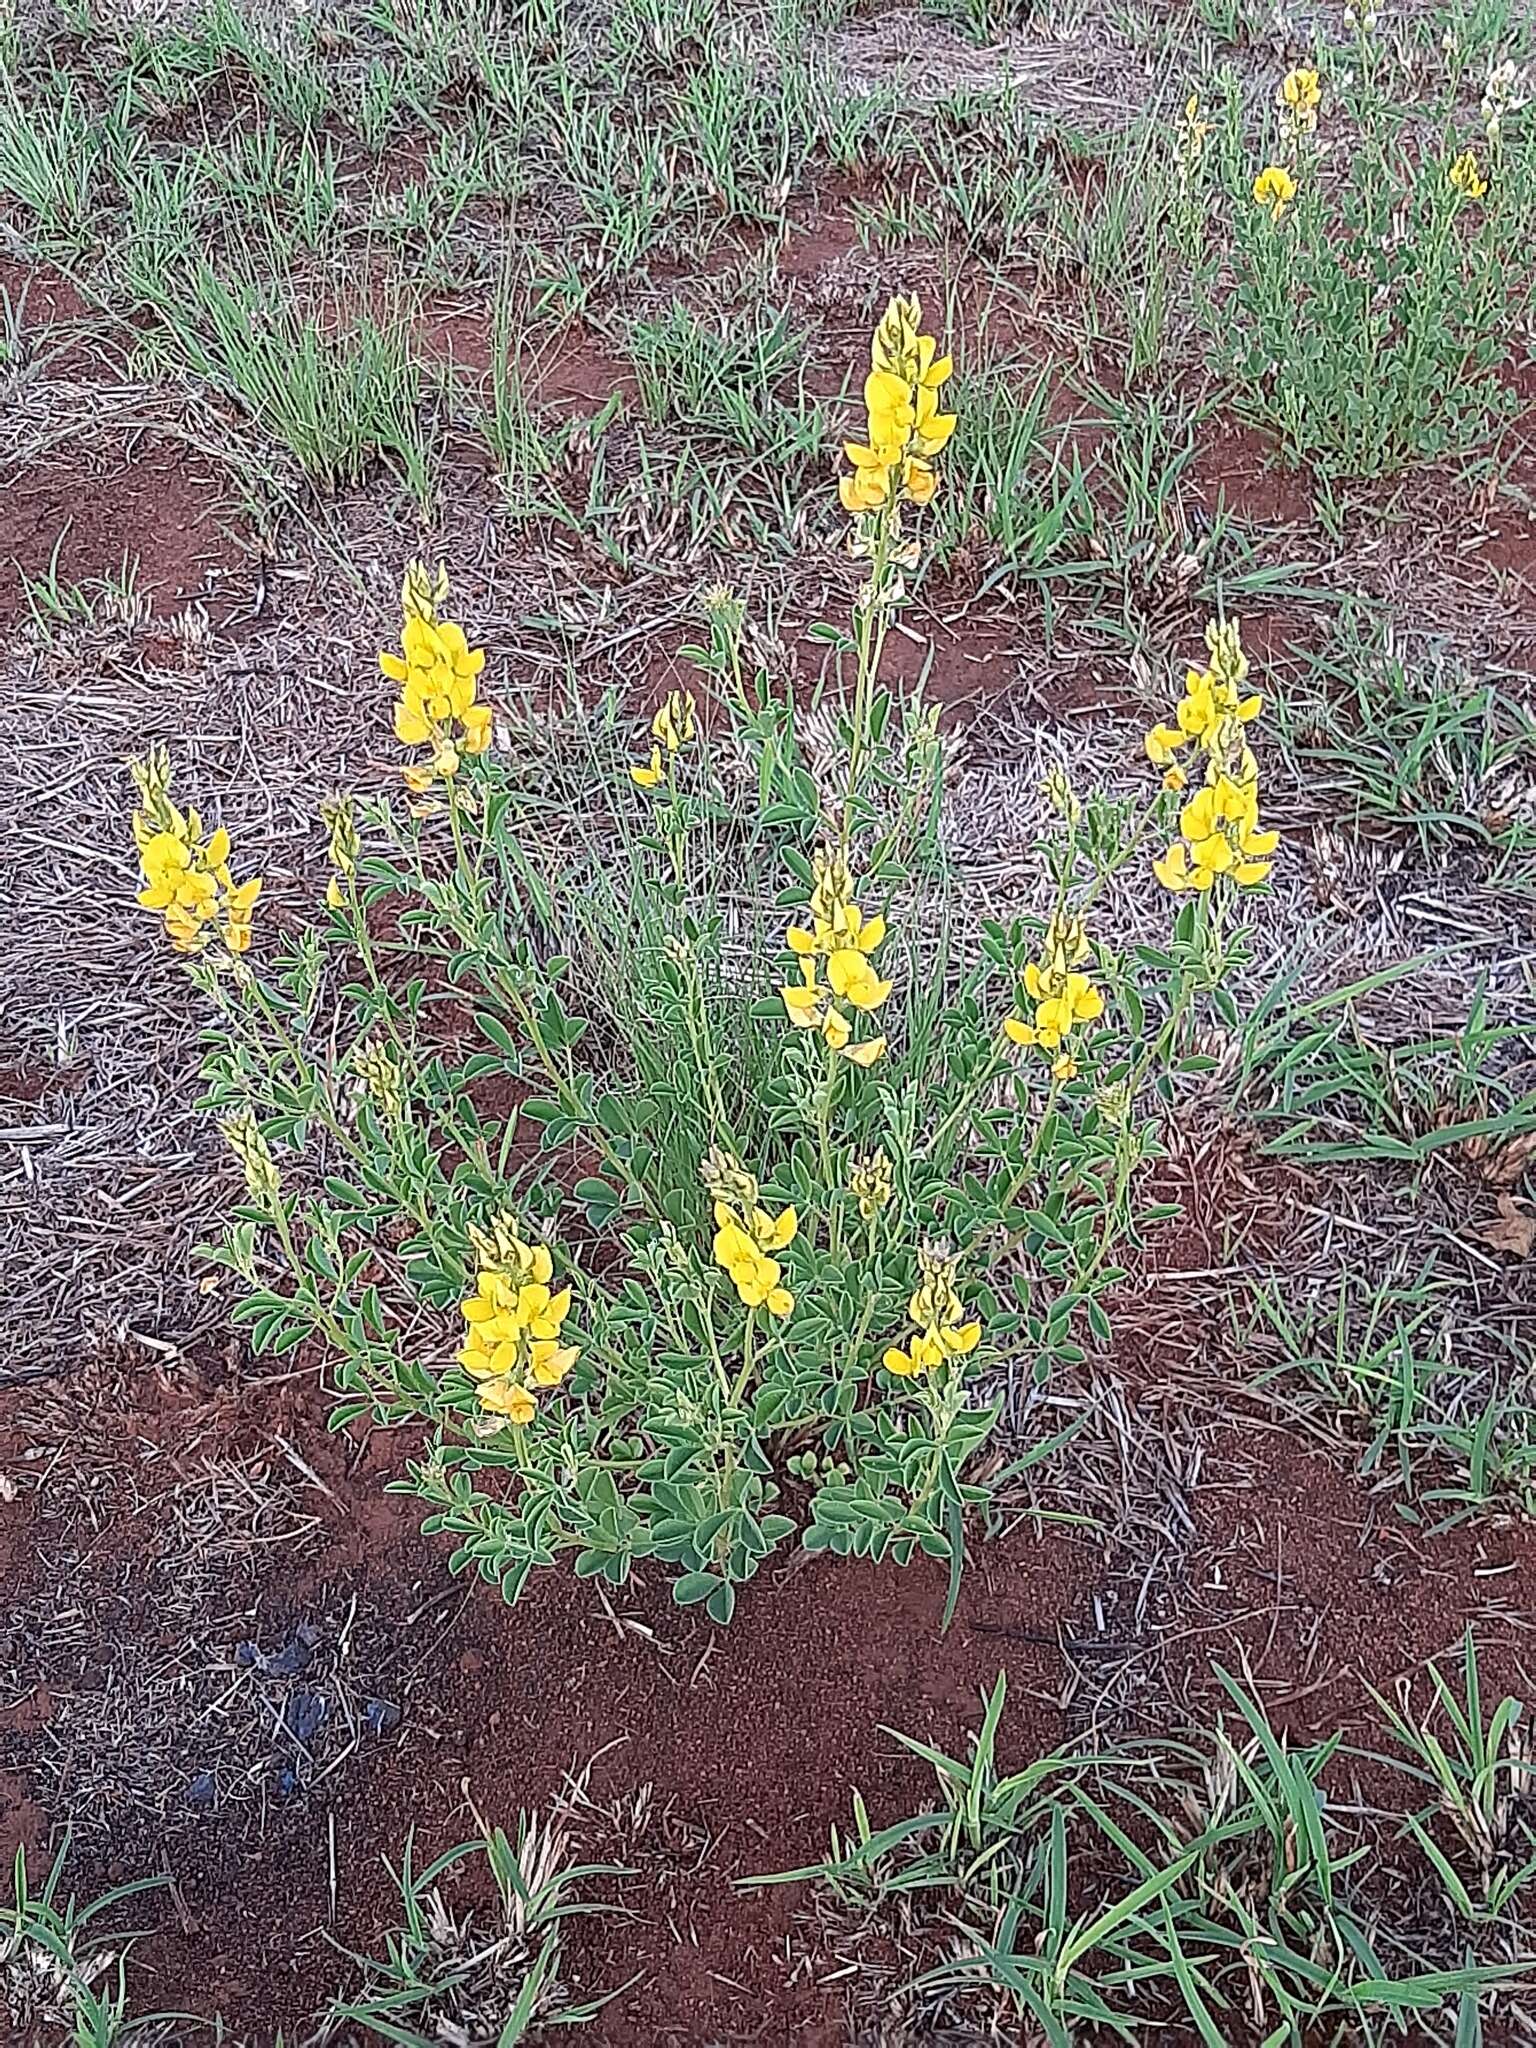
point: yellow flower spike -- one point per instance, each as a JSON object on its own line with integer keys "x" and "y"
{"x": 513, "y": 1323}
{"x": 1301, "y": 95}
{"x": 942, "y": 1331}
{"x": 186, "y": 877}
{"x": 1274, "y": 189}
{"x": 436, "y": 670}
{"x": 673, "y": 724}
{"x": 871, "y": 1183}
{"x": 1465, "y": 176}
{"x": 905, "y": 425}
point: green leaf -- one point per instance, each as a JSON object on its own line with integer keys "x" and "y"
{"x": 693, "y": 1587}
{"x": 497, "y": 1033}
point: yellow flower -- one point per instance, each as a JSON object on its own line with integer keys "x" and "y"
{"x": 854, "y": 980}
{"x": 839, "y": 933}
{"x": 1301, "y": 95}
{"x": 185, "y": 876}
{"x": 756, "y": 1277}
{"x": 1220, "y": 836}
{"x": 942, "y": 1331}
{"x": 672, "y": 728}
{"x": 1465, "y": 176}
{"x": 513, "y": 1323}
{"x": 1063, "y": 997}
{"x": 437, "y": 671}
{"x": 810, "y": 1007}
{"x": 843, "y": 927}
{"x": 507, "y": 1398}
{"x": 905, "y": 426}
{"x": 1274, "y": 189}
{"x": 1161, "y": 742}
{"x": 768, "y": 1233}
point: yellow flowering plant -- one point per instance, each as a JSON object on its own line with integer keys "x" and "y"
{"x": 1362, "y": 273}
{"x": 691, "y": 1194}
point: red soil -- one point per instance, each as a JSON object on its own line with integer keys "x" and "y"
{"x": 88, "y": 513}
{"x": 751, "y": 1738}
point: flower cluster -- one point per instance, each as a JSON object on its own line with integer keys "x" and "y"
{"x": 1189, "y": 137}
{"x": 1219, "y": 825}
{"x": 870, "y": 1183}
{"x": 1274, "y": 189}
{"x": 1062, "y": 997}
{"x": 906, "y": 428}
{"x": 1466, "y": 177}
{"x": 838, "y": 939}
{"x": 248, "y": 1143}
{"x": 1301, "y": 95}
{"x": 746, "y": 1235}
{"x": 512, "y": 1339}
{"x": 344, "y": 847}
{"x": 186, "y": 877}
{"x": 436, "y": 669}
{"x": 672, "y": 728}
{"x": 1504, "y": 94}
{"x": 380, "y": 1077}
{"x": 936, "y": 1309}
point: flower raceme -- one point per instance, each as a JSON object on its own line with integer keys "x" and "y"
{"x": 941, "y": 1329}
{"x": 1220, "y": 835}
{"x": 672, "y": 728}
{"x": 1465, "y": 176}
{"x": 1213, "y": 701}
{"x": 838, "y": 941}
{"x": 1062, "y": 996}
{"x": 1274, "y": 189}
{"x": 186, "y": 877}
{"x": 512, "y": 1347}
{"x": 746, "y": 1235}
{"x": 870, "y": 1183}
{"x": 1219, "y": 824}
{"x": 437, "y": 671}
{"x": 905, "y": 426}
{"x": 340, "y": 822}
{"x": 744, "y": 1244}
{"x": 1189, "y": 142}
{"x": 1300, "y": 97}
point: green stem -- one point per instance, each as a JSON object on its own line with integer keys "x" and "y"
{"x": 748, "y": 1360}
